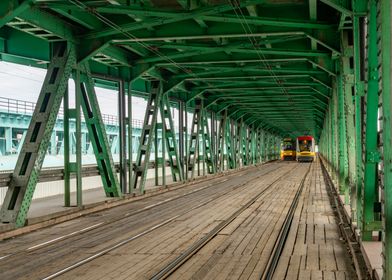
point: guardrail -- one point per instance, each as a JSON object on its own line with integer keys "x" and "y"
{"x": 22, "y": 107}
{"x": 57, "y": 174}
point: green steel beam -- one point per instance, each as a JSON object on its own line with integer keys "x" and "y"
{"x": 147, "y": 136}
{"x": 193, "y": 146}
{"x": 97, "y": 133}
{"x": 384, "y": 14}
{"x": 348, "y": 84}
{"x": 25, "y": 176}
{"x": 11, "y": 9}
{"x": 170, "y": 139}
{"x": 154, "y": 22}
{"x": 208, "y": 155}
{"x": 341, "y": 6}
{"x": 372, "y": 156}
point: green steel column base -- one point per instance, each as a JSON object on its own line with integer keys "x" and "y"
{"x": 346, "y": 197}
{"x": 367, "y": 235}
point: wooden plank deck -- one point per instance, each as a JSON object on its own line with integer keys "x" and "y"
{"x": 315, "y": 249}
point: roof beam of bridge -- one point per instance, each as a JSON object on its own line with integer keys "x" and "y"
{"x": 153, "y": 22}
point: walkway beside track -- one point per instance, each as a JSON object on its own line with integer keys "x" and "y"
{"x": 239, "y": 217}
{"x": 314, "y": 248}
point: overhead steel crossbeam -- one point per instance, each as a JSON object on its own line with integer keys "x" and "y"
{"x": 200, "y": 48}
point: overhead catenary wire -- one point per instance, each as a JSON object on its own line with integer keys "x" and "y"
{"x": 256, "y": 47}
{"x": 118, "y": 28}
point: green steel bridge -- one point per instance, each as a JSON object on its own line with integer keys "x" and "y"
{"x": 15, "y": 118}
{"x": 250, "y": 72}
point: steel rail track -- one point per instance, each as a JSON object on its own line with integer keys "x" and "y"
{"x": 132, "y": 213}
{"x": 345, "y": 227}
{"x": 283, "y": 234}
{"x": 193, "y": 249}
{"x": 157, "y": 226}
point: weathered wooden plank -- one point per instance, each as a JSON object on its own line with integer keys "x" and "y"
{"x": 329, "y": 275}
{"x": 294, "y": 267}
{"x": 317, "y": 275}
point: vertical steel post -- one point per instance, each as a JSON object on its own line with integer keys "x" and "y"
{"x": 238, "y": 143}
{"x": 8, "y": 140}
{"x": 181, "y": 140}
{"x": 385, "y": 21}
{"x": 67, "y": 178}
{"x": 342, "y": 136}
{"x": 359, "y": 8}
{"x": 229, "y": 144}
{"x": 208, "y": 154}
{"x": 122, "y": 136}
{"x": 336, "y": 129}
{"x": 130, "y": 138}
{"x": 348, "y": 86}
{"x": 78, "y": 165}
{"x": 186, "y": 140}
{"x": 193, "y": 147}
{"x": 156, "y": 153}
{"x": 372, "y": 156}
{"x": 221, "y": 142}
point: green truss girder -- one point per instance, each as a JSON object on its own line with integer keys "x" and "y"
{"x": 384, "y": 14}
{"x": 127, "y": 27}
{"x": 372, "y": 156}
{"x": 146, "y": 139}
{"x": 244, "y": 143}
{"x": 97, "y": 132}
{"x": 25, "y": 176}
{"x": 221, "y": 142}
{"x": 217, "y": 25}
{"x": 208, "y": 155}
{"x": 193, "y": 148}
{"x": 230, "y": 144}
{"x": 170, "y": 139}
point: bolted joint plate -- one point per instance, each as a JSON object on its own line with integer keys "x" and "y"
{"x": 373, "y": 157}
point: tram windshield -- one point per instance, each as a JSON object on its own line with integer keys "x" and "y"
{"x": 288, "y": 146}
{"x": 305, "y": 145}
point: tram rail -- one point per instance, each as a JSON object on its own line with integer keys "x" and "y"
{"x": 217, "y": 183}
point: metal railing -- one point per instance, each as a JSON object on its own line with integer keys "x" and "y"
{"x": 22, "y": 107}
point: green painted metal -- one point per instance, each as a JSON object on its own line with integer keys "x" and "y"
{"x": 73, "y": 167}
{"x": 170, "y": 138}
{"x": 272, "y": 68}
{"x": 288, "y": 42}
{"x": 385, "y": 16}
{"x": 97, "y": 132}
{"x": 360, "y": 9}
{"x": 243, "y": 144}
{"x": 343, "y": 162}
{"x": 66, "y": 144}
{"x": 146, "y": 140}
{"x": 130, "y": 138}
{"x": 208, "y": 153}
{"x": 25, "y": 176}
{"x": 221, "y": 142}
{"x": 348, "y": 84}
{"x": 372, "y": 156}
{"x": 229, "y": 144}
{"x": 159, "y": 152}
{"x": 193, "y": 148}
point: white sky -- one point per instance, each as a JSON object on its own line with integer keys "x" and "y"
{"x": 24, "y": 83}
